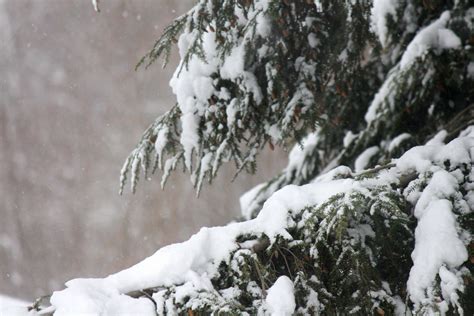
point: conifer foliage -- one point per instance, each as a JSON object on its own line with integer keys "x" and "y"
{"x": 373, "y": 214}
{"x": 252, "y": 74}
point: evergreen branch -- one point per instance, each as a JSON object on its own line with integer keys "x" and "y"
{"x": 163, "y": 45}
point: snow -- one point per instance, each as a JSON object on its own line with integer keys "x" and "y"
{"x": 190, "y": 266}
{"x": 247, "y": 200}
{"x": 450, "y": 284}
{"x": 437, "y": 245}
{"x": 193, "y": 87}
{"x": 85, "y": 296}
{"x": 299, "y": 153}
{"x": 231, "y": 112}
{"x": 348, "y": 138}
{"x": 313, "y": 41}
{"x": 274, "y": 132}
{"x": 434, "y": 36}
{"x": 13, "y": 307}
{"x": 280, "y": 298}
{"x": 442, "y": 185}
{"x": 95, "y": 4}
{"x": 170, "y": 164}
{"x": 383, "y": 95}
{"x": 105, "y": 298}
{"x": 363, "y": 160}
{"x": 470, "y": 70}
{"x": 205, "y": 166}
{"x": 398, "y": 140}
{"x": 378, "y": 17}
{"x": 219, "y": 153}
{"x": 233, "y": 66}
{"x": 438, "y": 139}
{"x": 448, "y": 39}
{"x": 193, "y": 81}
{"x": 160, "y": 143}
{"x": 191, "y": 261}
{"x": 420, "y": 158}
{"x": 263, "y": 27}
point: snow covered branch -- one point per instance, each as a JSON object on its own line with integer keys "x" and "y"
{"x": 312, "y": 234}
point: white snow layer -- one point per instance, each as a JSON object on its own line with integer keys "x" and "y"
{"x": 383, "y": 95}
{"x": 280, "y": 298}
{"x": 434, "y": 36}
{"x": 95, "y": 4}
{"x": 193, "y": 87}
{"x": 195, "y": 260}
{"x": 299, "y": 153}
{"x": 295, "y": 165}
{"x": 247, "y": 199}
{"x": 378, "y": 17}
{"x": 191, "y": 265}
{"x": 363, "y": 160}
{"x": 398, "y": 140}
{"x": 438, "y": 246}
{"x": 10, "y": 306}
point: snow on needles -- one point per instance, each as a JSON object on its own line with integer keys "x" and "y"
{"x": 95, "y": 4}
{"x": 362, "y": 162}
{"x": 434, "y": 36}
{"x": 193, "y": 82}
{"x": 378, "y": 17}
{"x": 280, "y": 298}
{"x": 192, "y": 86}
{"x": 440, "y": 248}
{"x": 195, "y": 261}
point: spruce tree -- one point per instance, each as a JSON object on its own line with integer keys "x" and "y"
{"x": 373, "y": 214}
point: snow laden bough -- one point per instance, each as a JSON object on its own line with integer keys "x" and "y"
{"x": 245, "y": 82}
{"x": 392, "y": 240}
{"x": 269, "y": 72}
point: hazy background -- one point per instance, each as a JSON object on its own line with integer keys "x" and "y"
{"x": 71, "y": 109}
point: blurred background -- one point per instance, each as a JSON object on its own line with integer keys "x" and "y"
{"x": 71, "y": 109}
